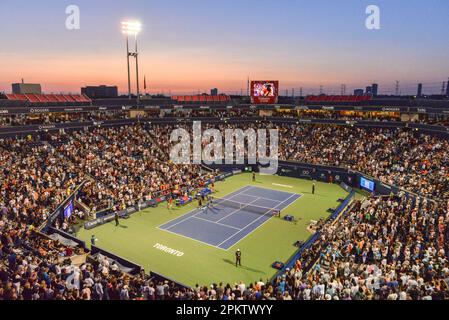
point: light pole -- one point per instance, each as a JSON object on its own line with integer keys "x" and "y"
{"x": 137, "y": 69}
{"x": 129, "y": 73}
{"x": 132, "y": 28}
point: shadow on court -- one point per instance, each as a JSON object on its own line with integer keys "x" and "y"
{"x": 242, "y": 267}
{"x": 214, "y": 210}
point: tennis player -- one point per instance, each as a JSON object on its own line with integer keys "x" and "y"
{"x": 209, "y": 201}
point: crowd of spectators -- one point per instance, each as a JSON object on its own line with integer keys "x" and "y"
{"x": 410, "y": 159}
{"x": 393, "y": 248}
{"x": 34, "y": 180}
{"x": 56, "y": 118}
{"x": 126, "y": 165}
{"x": 117, "y": 165}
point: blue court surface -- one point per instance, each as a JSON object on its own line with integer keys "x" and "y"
{"x": 223, "y": 225}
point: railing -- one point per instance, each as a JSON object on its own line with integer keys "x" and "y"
{"x": 37, "y": 129}
{"x": 135, "y": 268}
{"x": 158, "y": 277}
{"x": 64, "y": 234}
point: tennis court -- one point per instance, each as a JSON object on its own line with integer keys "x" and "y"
{"x": 231, "y": 218}
{"x": 135, "y": 238}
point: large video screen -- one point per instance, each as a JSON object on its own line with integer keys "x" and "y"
{"x": 264, "y": 92}
{"x": 367, "y": 184}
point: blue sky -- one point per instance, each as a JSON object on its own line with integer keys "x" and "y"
{"x": 199, "y": 44}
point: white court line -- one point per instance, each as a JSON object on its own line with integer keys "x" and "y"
{"x": 254, "y": 221}
{"x": 182, "y": 220}
{"x": 275, "y": 190}
{"x": 194, "y": 215}
{"x": 235, "y": 211}
{"x": 228, "y": 196}
{"x": 264, "y": 198}
{"x": 248, "y": 195}
{"x": 220, "y": 224}
{"x": 299, "y": 197}
{"x": 187, "y": 237}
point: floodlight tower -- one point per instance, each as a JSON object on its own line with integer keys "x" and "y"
{"x": 132, "y": 28}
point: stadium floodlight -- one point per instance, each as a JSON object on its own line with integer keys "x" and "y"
{"x": 132, "y": 28}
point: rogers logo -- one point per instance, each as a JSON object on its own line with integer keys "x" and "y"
{"x": 40, "y": 110}
{"x": 46, "y": 127}
{"x": 391, "y": 109}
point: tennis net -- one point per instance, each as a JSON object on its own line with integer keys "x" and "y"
{"x": 244, "y": 206}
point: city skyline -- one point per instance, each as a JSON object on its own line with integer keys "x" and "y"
{"x": 198, "y": 45}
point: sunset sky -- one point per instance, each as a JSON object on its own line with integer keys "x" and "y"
{"x": 188, "y": 45}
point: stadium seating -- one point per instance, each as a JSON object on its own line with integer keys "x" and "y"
{"x": 203, "y": 98}
{"x": 48, "y": 98}
{"x": 393, "y": 247}
{"x": 326, "y": 98}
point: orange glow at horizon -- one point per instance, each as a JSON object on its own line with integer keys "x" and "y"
{"x": 163, "y": 72}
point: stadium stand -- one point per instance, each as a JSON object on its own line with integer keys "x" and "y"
{"x": 392, "y": 247}
{"x": 325, "y": 98}
{"x": 204, "y": 98}
{"x": 45, "y": 98}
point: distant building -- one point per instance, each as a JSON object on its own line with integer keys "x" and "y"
{"x": 374, "y": 89}
{"x": 214, "y": 92}
{"x": 369, "y": 90}
{"x": 26, "y": 88}
{"x": 419, "y": 93}
{"x": 358, "y": 92}
{"x": 447, "y": 88}
{"x": 96, "y": 92}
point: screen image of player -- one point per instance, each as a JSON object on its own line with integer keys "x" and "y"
{"x": 264, "y": 92}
